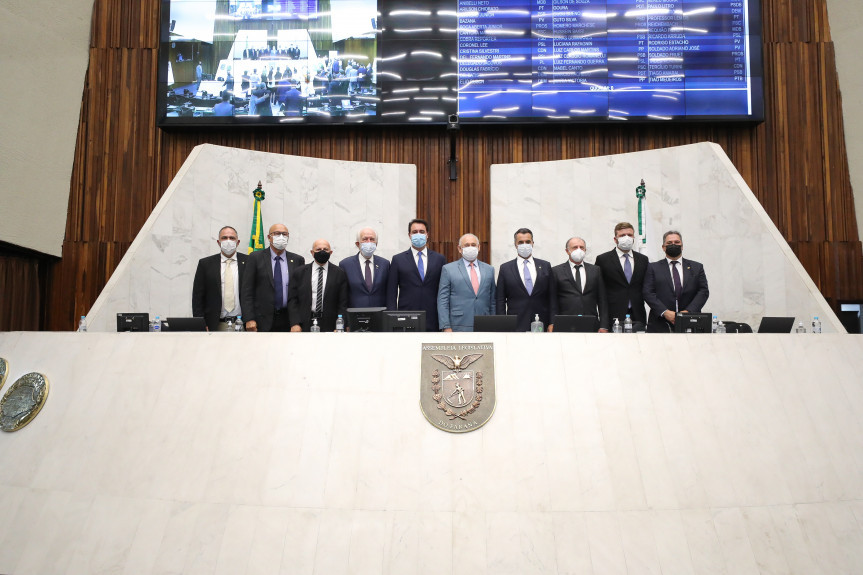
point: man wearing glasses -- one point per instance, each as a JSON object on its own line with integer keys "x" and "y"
{"x": 264, "y": 293}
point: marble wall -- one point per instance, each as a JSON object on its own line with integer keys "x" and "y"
{"x": 315, "y": 198}
{"x": 695, "y": 189}
{"x": 258, "y": 453}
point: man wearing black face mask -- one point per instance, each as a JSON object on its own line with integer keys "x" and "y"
{"x": 673, "y": 285}
{"x": 318, "y": 291}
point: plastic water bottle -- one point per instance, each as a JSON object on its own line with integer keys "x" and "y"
{"x": 82, "y": 324}
{"x": 617, "y": 328}
{"x": 801, "y": 328}
{"x": 230, "y": 324}
{"x": 627, "y": 324}
{"x": 816, "y": 324}
{"x": 536, "y": 325}
{"x": 715, "y": 325}
{"x": 720, "y": 327}
{"x": 315, "y": 327}
{"x": 238, "y": 325}
{"x": 340, "y": 324}
{"x": 156, "y": 325}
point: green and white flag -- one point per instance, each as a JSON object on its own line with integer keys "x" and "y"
{"x": 256, "y": 242}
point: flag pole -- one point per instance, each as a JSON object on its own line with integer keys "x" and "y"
{"x": 256, "y": 241}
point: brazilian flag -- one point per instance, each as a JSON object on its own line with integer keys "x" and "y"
{"x": 256, "y": 242}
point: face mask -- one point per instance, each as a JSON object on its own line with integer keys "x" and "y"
{"x": 577, "y": 255}
{"x": 279, "y": 242}
{"x": 322, "y": 257}
{"x": 469, "y": 253}
{"x": 418, "y": 241}
{"x": 228, "y": 247}
{"x": 625, "y": 243}
{"x": 673, "y": 250}
{"x": 524, "y": 250}
{"x": 368, "y": 248}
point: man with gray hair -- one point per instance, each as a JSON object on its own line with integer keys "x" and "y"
{"x": 466, "y": 289}
{"x": 577, "y": 287}
{"x": 673, "y": 285}
{"x": 367, "y": 273}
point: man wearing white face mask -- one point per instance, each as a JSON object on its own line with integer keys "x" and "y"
{"x": 577, "y": 287}
{"x": 216, "y": 288}
{"x": 623, "y": 272}
{"x": 524, "y": 284}
{"x": 467, "y": 288}
{"x": 367, "y": 273}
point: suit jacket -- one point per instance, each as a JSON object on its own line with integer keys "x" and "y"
{"x": 405, "y": 289}
{"x": 360, "y": 296}
{"x": 620, "y": 292}
{"x": 207, "y": 288}
{"x": 457, "y": 304}
{"x": 512, "y": 297}
{"x": 659, "y": 291}
{"x": 256, "y": 295}
{"x": 566, "y": 300}
{"x": 300, "y": 297}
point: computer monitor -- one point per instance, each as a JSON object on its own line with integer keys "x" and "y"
{"x": 776, "y": 324}
{"x": 500, "y": 323}
{"x": 184, "y": 324}
{"x": 364, "y": 319}
{"x": 133, "y": 322}
{"x": 576, "y": 323}
{"x": 404, "y": 321}
{"x": 693, "y": 323}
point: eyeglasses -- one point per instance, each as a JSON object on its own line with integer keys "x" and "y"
{"x": 279, "y": 235}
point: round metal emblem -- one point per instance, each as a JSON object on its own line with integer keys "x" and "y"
{"x": 22, "y": 401}
{"x": 4, "y": 370}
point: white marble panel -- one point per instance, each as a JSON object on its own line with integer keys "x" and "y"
{"x": 315, "y": 198}
{"x": 694, "y": 189}
{"x": 606, "y": 454}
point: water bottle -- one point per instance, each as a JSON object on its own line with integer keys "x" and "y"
{"x": 156, "y": 325}
{"x": 816, "y": 325}
{"x": 720, "y": 327}
{"x": 536, "y": 325}
{"x": 715, "y": 325}
{"x": 617, "y": 328}
{"x": 238, "y": 325}
{"x": 230, "y": 324}
{"x": 315, "y": 327}
{"x": 340, "y": 324}
{"x": 82, "y": 324}
{"x": 800, "y": 328}
{"x": 627, "y": 324}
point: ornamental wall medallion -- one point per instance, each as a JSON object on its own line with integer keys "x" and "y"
{"x": 457, "y": 385}
{"x": 22, "y": 401}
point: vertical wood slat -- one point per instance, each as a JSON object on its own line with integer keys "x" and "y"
{"x": 795, "y": 162}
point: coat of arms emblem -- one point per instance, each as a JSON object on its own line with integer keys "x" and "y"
{"x": 454, "y": 398}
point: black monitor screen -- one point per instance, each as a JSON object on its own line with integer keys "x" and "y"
{"x": 484, "y": 61}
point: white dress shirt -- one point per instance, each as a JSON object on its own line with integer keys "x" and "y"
{"x": 236, "y": 273}
{"x": 531, "y": 265}
{"x": 371, "y": 261}
{"x": 621, "y": 255}
{"x": 582, "y": 273}
{"x": 425, "y": 254}
{"x": 315, "y": 267}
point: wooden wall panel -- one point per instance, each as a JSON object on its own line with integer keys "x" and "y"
{"x": 795, "y": 162}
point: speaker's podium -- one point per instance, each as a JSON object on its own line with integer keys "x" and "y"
{"x": 309, "y": 453}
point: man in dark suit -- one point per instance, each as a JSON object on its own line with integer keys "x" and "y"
{"x": 415, "y": 276}
{"x": 623, "y": 272}
{"x": 673, "y": 285}
{"x": 367, "y": 273}
{"x": 264, "y": 293}
{"x": 466, "y": 288}
{"x": 524, "y": 284}
{"x": 577, "y": 287}
{"x": 218, "y": 281}
{"x": 305, "y": 300}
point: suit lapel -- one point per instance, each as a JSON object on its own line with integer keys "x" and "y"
{"x": 518, "y": 279}
{"x": 569, "y": 274}
{"x": 463, "y": 271}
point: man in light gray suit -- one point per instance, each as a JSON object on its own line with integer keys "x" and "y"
{"x": 467, "y": 288}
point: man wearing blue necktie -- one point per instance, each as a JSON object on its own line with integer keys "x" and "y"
{"x": 524, "y": 284}
{"x": 623, "y": 270}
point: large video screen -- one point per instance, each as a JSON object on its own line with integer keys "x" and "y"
{"x": 245, "y": 62}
